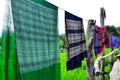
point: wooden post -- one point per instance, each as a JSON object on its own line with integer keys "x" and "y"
{"x": 111, "y": 59}
{"x": 90, "y": 57}
{"x": 102, "y": 17}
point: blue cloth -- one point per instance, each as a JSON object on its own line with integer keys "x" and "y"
{"x": 118, "y": 41}
{"x": 114, "y": 41}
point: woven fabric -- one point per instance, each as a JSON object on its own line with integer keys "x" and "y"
{"x": 30, "y": 49}
{"x": 36, "y": 35}
{"x": 111, "y": 41}
{"x": 114, "y": 41}
{"x": 100, "y": 39}
{"x": 75, "y": 41}
{"x": 118, "y": 41}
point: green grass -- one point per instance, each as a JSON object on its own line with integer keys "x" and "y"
{"x": 81, "y": 73}
{"x": 76, "y": 74}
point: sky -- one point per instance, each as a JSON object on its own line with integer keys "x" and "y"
{"x": 89, "y": 9}
{"x": 86, "y": 9}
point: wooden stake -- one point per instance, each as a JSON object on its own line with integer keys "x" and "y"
{"x": 111, "y": 59}
{"x": 102, "y": 17}
{"x": 90, "y": 57}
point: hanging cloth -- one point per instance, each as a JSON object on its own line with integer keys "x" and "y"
{"x": 111, "y": 41}
{"x": 100, "y": 39}
{"x": 8, "y": 58}
{"x": 75, "y": 41}
{"x": 114, "y": 41}
{"x": 118, "y": 41}
{"x": 30, "y": 41}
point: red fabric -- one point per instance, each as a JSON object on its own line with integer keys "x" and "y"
{"x": 100, "y": 39}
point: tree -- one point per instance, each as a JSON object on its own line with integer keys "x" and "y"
{"x": 62, "y": 40}
{"x": 112, "y": 30}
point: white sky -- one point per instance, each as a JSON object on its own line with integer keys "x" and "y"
{"x": 86, "y": 9}
{"x": 89, "y": 9}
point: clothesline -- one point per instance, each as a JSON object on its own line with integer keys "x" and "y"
{"x": 70, "y": 12}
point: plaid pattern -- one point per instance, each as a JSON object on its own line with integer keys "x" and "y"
{"x": 36, "y": 35}
{"x": 76, "y": 41}
{"x": 100, "y": 39}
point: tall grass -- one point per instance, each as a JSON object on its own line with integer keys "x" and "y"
{"x": 81, "y": 73}
{"x": 76, "y": 74}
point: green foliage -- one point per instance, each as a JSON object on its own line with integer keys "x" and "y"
{"x": 62, "y": 40}
{"x": 61, "y": 43}
{"x": 113, "y": 30}
{"x": 76, "y": 74}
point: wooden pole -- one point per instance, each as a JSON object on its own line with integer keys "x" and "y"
{"x": 111, "y": 59}
{"x": 90, "y": 57}
{"x": 102, "y": 17}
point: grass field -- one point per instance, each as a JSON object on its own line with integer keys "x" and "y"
{"x": 80, "y": 73}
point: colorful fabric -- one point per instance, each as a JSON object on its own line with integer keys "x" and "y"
{"x": 75, "y": 41}
{"x": 30, "y": 47}
{"x": 100, "y": 39}
{"x": 111, "y": 41}
{"x": 114, "y": 41}
{"x": 118, "y": 41}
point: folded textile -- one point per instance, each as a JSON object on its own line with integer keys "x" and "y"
{"x": 75, "y": 41}
{"x": 100, "y": 39}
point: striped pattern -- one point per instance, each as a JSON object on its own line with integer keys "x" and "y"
{"x": 75, "y": 41}
{"x": 100, "y": 39}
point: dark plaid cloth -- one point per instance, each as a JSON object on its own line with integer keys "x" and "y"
{"x": 75, "y": 41}
{"x": 100, "y": 39}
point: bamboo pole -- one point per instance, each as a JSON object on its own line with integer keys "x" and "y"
{"x": 102, "y": 17}
{"x": 90, "y": 57}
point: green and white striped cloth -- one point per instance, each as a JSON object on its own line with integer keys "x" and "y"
{"x": 36, "y": 40}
